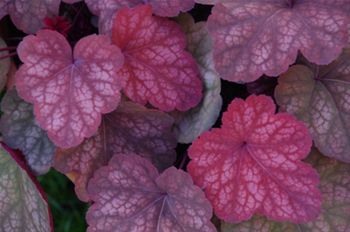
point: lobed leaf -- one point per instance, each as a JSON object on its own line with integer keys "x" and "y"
{"x": 22, "y": 205}
{"x": 257, "y": 37}
{"x": 189, "y": 125}
{"x": 157, "y": 68}
{"x": 130, "y": 195}
{"x": 106, "y": 9}
{"x": 320, "y": 96}
{"x": 335, "y": 214}
{"x": 20, "y": 131}
{"x": 69, "y": 91}
{"x": 130, "y": 129}
{"x": 252, "y": 164}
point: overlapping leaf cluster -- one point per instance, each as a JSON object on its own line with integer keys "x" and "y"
{"x": 108, "y": 111}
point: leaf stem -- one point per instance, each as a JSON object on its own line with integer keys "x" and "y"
{"x": 183, "y": 161}
{"x": 8, "y": 48}
{"x": 8, "y": 55}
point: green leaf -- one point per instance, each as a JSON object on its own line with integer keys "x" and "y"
{"x": 4, "y": 65}
{"x": 191, "y": 124}
{"x": 22, "y": 205}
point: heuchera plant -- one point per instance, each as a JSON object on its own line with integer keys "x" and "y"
{"x": 239, "y": 122}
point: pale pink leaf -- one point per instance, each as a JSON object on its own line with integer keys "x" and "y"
{"x": 252, "y": 164}
{"x": 69, "y": 91}
{"x": 130, "y": 195}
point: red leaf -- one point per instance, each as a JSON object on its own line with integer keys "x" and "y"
{"x": 130, "y": 129}
{"x": 252, "y": 164}
{"x": 69, "y": 92}
{"x": 106, "y": 9}
{"x": 130, "y": 195}
{"x": 157, "y": 68}
{"x": 59, "y": 24}
{"x": 258, "y": 37}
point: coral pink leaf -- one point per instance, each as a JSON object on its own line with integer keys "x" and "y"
{"x": 28, "y": 15}
{"x": 130, "y": 129}
{"x": 23, "y": 204}
{"x": 252, "y": 164}
{"x": 106, "y": 9}
{"x": 69, "y": 92}
{"x": 335, "y": 214}
{"x": 130, "y": 195}
{"x": 320, "y": 96}
{"x": 157, "y": 68}
{"x": 258, "y": 37}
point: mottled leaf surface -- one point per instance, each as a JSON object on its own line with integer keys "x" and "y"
{"x": 106, "y": 9}
{"x": 28, "y": 15}
{"x": 130, "y": 129}
{"x": 335, "y": 214}
{"x": 192, "y": 123}
{"x": 22, "y": 206}
{"x": 69, "y": 91}
{"x": 20, "y": 131}
{"x": 157, "y": 68}
{"x": 130, "y": 195}
{"x": 252, "y": 164}
{"x": 258, "y": 37}
{"x": 320, "y": 96}
{"x": 5, "y": 65}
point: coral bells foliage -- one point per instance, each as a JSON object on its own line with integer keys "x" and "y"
{"x": 110, "y": 111}
{"x": 252, "y": 164}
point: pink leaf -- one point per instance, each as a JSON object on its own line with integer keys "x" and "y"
{"x": 335, "y": 214}
{"x": 130, "y": 195}
{"x": 130, "y": 129}
{"x": 252, "y": 164}
{"x": 157, "y": 68}
{"x": 28, "y": 15}
{"x": 106, "y": 9}
{"x": 69, "y": 92}
{"x": 258, "y": 37}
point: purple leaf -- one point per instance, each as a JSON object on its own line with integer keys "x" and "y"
{"x": 320, "y": 96}
{"x": 130, "y": 129}
{"x": 130, "y": 195}
{"x": 257, "y": 37}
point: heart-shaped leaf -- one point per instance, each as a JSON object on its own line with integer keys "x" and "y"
{"x": 20, "y": 131}
{"x": 335, "y": 214}
{"x": 320, "y": 96}
{"x": 130, "y": 129}
{"x": 252, "y": 164}
{"x": 22, "y": 205}
{"x": 194, "y": 122}
{"x": 106, "y": 9}
{"x": 157, "y": 68}
{"x": 258, "y": 37}
{"x": 69, "y": 91}
{"x": 130, "y": 195}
